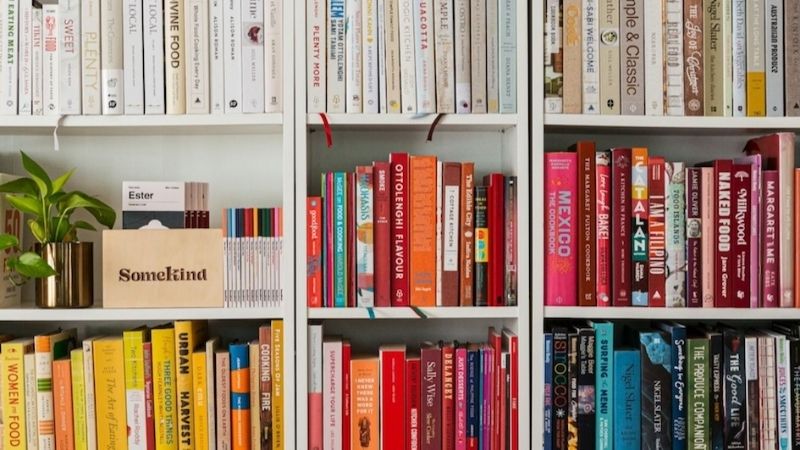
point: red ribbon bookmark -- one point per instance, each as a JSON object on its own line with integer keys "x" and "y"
{"x": 433, "y": 126}
{"x": 326, "y": 127}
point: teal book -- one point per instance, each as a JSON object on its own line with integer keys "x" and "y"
{"x": 698, "y": 392}
{"x": 604, "y": 380}
{"x": 627, "y": 402}
{"x": 339, "y": 239}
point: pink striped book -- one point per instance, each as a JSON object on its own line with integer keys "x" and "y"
{"x": 770, "y": 264}
{"x": 461, "y": 398}
{"x": 707, "y": 233}
{"x": 561, "y": 229}
{"x": 754, "y": 267}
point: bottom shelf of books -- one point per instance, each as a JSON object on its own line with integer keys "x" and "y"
{"x": 176, "y": 385}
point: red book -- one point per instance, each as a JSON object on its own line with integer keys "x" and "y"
{"x": 495, "y": 193}
{"x": 413, "y": 397}
{"x": 448, "y": 397}
{"x": 451, "y": 231}
{"x": 467, "y": 249}
{"x": 149, "y": 407}
{"x": 511, "y": 345}
{"x": 399, "y": 229}
{"x": 351, "y": 239}
{"x": 421, "y": 256}
{"x": 694, "y": 236}
{"x": 723, "y": 234}
{"x": 587, "y": 204}
{"x": 461, "y": 398}
{"x": 248, "y": 222}
{"x": 740, "y": 258}
{"x": 328, "y": 215}
{"x": 314, "y": 251}
{"x": 560, "y": 229}
{"x": 503, "y": 413}
{"x": 620, "y": 223}
{"x": 754, "y": 265}
{"x": 346, "y": 357}
{"x": 770, "y": 266}
{"x": 496, "y": 342}
{"x": 603, "y": 228}
{"x": 657, "y": 253}
{"x": 393, "y": 397}
{"x": 382, "y": 213}
{"x": 431, "y": 408}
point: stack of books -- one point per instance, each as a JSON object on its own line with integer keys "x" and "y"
{"x": 672, "y": 57}
{"x": 66, "y": 57}
{"x": 439, "y": 396}
{"x": 626, "y": 228}
{"x": 167, "y": 387}
{"x": 412, "y": 231}
{"x": 405, "y": 56}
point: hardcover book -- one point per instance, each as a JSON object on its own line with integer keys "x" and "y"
{"x": 591, "y": 48}
{"x": 369, "y": 27}
{"x": 676, "y": 252}
{"x": 609, "y": 73}
{"x": 657, "y": 255}
{"x": 742, "y": 210}
{"x": 392, "y": 397}
{"x": 197, "y": 54}
{"x": 444, "y": 20}
{"x": 717, "y": 56}
{"x": 654, "y": 67}
{"x": 352, "y": 63}
{"x": 316, "y": 52}
{"x": 723, "y": 251}
{"x": 715, "y": 407}
{"x": 676, "y": 334}
{"x": 408, "y": 79}
{"x": 381, "y": 175}
{"x": 463, "y": 50}
{"x": 152, "y": 204}
{"x": 656, "y": 361}
{"x": 561, "y": 387}
{"x": 707, "y": 241}
{"x": 232, "y": 64}
{"x": 548, "y": 394}
{"x": 627, "y": 402}
{"x": 752, "y": 389}
{"x": 739, "y": 57}
{"x": 365, "y": 255}
{"x": 587, "y": 205}
{"x": 632, "y": 61}
{"x": 573, "y": 71}
{"x": 756, "y": 59}
{"x": 791, "y": 52}
{"x": 587, "y": 388}
{"x": 694, "y": 236}
{"x": 365, "y": 404}
{"x": 492, "y": 61}
{"x": 451, "y": 234}
{"x": 422, "y": 236}
{"x": 424, "y": 59}
{"x": 154, "y": 55}
{"x": 62, "y": 395}
{"x": 698, "y": 391}
{"x": 693, "y": 56}
{"x": 561, "y": 226}
{"x": 508, "y": 56}
{"x": 69, "y": 64}
{"x": 604, "y": 379}
{"x": 109, "y": 368}
{"x": 431, "y": 402}
{"x": 639, "y": 217}
{"x": 50, "y": 59}
{"x": 735, "y": 399}
{"x": 477, "y": 10}
{"x": 620, "y": 223}
{"x": 603, "y": 292}
{"x": 773, "y": 30}
{"x": 467, "y": 245}
{"x": 400, "y": 229}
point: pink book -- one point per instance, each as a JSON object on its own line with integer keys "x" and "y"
{"x": 461, "y": 398}
{"x": 487, "y": 412}
{"x": 707, "y": 233}
{"x": 603, "y": 227}
{"x": 328, "y": 239}
{"x": 770, "y": 265}
{"x": 560, "y": 229}
{"x": 755, "y": 226}
{"x": 332, "y": 394}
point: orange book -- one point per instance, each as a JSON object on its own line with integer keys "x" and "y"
{"x": 62, "y": 400}
{"x": 240, "y": 396}
{"x": 422, "y": 236}
{"x": 364, "y": 376}
{"x": 796, "y": 241}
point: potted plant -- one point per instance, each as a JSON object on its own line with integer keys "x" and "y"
{"x": 61, "y": 265}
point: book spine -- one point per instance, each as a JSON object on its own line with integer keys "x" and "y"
{"x": 694, "y": 237}
{"x": 265, "y": 403}
{"x": 382, "y": 233}
{"x": 240, "y": 397}
{"x": 656, "y": 250}
{"x": 678, "y": 384}
{"x": 277, "y": 427}
{"x": 216, "y": 57}
{"x": 339, "y": 249}
{"x": 413, "y": 406}
{"x": 713, "y": 44}
{"x": 752, "y": 387}
{"x": 587, "y": 204}
{"x": 273, "y": 57}
{"x": 380, "y": 28}
{"x": 112, "y": 59}
{"x": 548, "y": 393}
{"x": 109, "y": 368}
{"x": 9, "y": 48}
{"x": 444, "y": 21}
{"x": 782, "y": 387}
{"x": 754, "y": 239}
{"x": 252, "y": 61}
{"x": 739, "y": 57}
{"x": 716, "y": 409}
{"x": 477, "y": 10}
{"x": 25, "y": 80}
{"x": 604, "y": 376}
{"x": 676, "y": 234}
{"x": 50, "y": 58}
{"x": 365, "y": 252}
{"x": 495, "y": 191}
{"x": 707, "y": 242}
{"x": 620, "y": 218}
{"x": 698, "y": 392}
{"x": 591, "y": 48}
{"x": 767, "y": 391}
{"x": 481, "y": 292}
{"x": 586, "y": 388}
{"x": 223, "y": 400}
{"x": 232, "y": 65}
{"x": 91, "y": 416}
{"x": 726, "y": 51}
{"x": 369, "y": 27}
{"x": 773, "y": 27}
{"x": 510, "y": 238}
{"x": 408, "y": 80}
{"x": 197, "y": 60}
{"x": 153, "y": 41}
{"x": 560, "y": 389}
{"x": 656, "y": 401}
{"x": 133, "y": 57}
{"x": 756, "y": 61}
{"x": 722, "y": 225}
{"x": 487, "y": 389}
{"x": 740, "y": 250}
{"x": 791, "y": 39}
{"x": 393, "y": 395}
{"x": 654, "y": 58}
{"x": 314, "y": 251}
{"x": 603, "y": 228}
{"x": 315, "y": 370}
{"x": 609, "y": 74}
{"x": 553, "y": 61}
{"x": 199, "y": 389}
{"x": 463, "y": 50}
{"x": 431, "y": 410}
{"x": 639, "y": 237}
{"x": 735, "y": 399}
{"x": 461, "y": 398}
{"x": 37, "y": 63}
{"x": 31, "y": 423}
{"x": 770, "y": 295}
{"x": 166, "y": 415}
{"x": 627, "y": 410}
{"x": 467, "y": 247}
{"x": 353, "y": 68}
{"x": 451, "y": 233}
{"x": 423, "y": 53}
{"x": 508, "y": 57}
{"x": 365, "y": 402}
{"x": 632, "y": 60}
{"x": 149, "y": 405}
{"x": 573, "y": 60}
{"x": 316, "y": 54}
{"x": 62, "y": 396}
{"x": 399, "y": 229}
{"x": 492, "y": 59}
{"x": 133, "y": 352}
{"x": 393, "y": 56}
{"x": 422, "y": 236}
{"x": 794, "y": 364}
{"x": 693, "y": 57}
{"x": 44, "y": 392}
{"x": 561, "y": 226}
{"x": 78, "y": 400}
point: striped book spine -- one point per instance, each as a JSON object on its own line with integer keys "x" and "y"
{"x": 240, "y": 396}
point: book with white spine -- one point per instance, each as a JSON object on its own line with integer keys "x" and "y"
{"x": 253, "y": 56}
{"x": 391, "y": 33}
{"x": 653, "y": 58}
{"x": 37, "y": 62}
{"x": 445, "y": 61}
{"x": 216, "y": 55}
{"x": 408, "y": 80}
{"x": 508, "y": 56}
{"x": 69, "y": 64}
{"x": 369, "y": 28}
{"x": 25, "y": 84}
{"x": 608, "y": 24}
{"x": 196, "y": 38}
{"x": 353, "y": 36}
{"x": 9, "y": 10}
{"x": 153, "y": 41}
{"x": 336, "y": 54}
{"x": 175, "y": 56}
{"x": 91, "y": 102}
{"x": 233, "y": 56}
{"x": 273, "y": 56}
{"x": 727, "y": 60}
{"x": 591, "y": 52}
{"x": 714, "y": 55}
{"x": 381, "y": 29}
{"x": 111, "y": 60}
{"x": 492, "y": 58}
{"x": 674, "y": 57}
{"x": 463, "y": 53}
{"x": 775, "y": 64}
{"x": 50, "y": 44}
{"x": 133, "y": 56}
{"x": 477, "y": 9}
{"x": 316, "y": 43}
{"x": 739, "y": 57}
{"x": 423, "y": 54}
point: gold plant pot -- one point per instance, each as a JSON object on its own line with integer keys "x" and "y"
{"x": 72, "y": 286}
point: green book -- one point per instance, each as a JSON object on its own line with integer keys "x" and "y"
{"x": 698, "y": 390}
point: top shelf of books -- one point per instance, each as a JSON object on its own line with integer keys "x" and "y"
{"x": 29, "y": 313}
{"x": 595, "y": 123}
{"x": 471, "y": 122}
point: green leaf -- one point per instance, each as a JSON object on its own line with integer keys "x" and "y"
{"x": 38, "y": 174}
{"x": 32, "y": 265}
{"x": 59, "y": 182}
{"x": 103, "y": 213}
{"x": 20, "y": 186}
{"x": 84, "y": 225}
{"x": 62, "y": 229}
{"x": 37, "y": 230}
{"x": 8, "y": 241}
{"x": 27, "y": 205}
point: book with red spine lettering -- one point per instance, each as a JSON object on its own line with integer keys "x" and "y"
{"x": 467, "y": 247}
{"x": 740, "y": 235}
{"x": 723, "y": 219}
{"x": 603, "y": 292}
{"x": 461, "y": 398}
{"x": 413, "y": 397}
{"x": 431, "y": 397}
{"x": 382, "y": 216}
{"x": 770, "y": 263}
{"x": 694, "y": 237}
{"x": 314, "y": 233}
{"x": 495, "y": 193}
{"x": 620, "y": 223}
{"x": 560, "y": 229}
{"x": 448, "y": 397}
{"x": 451, "y": 233}
{"x": 346, "y": 394}
{"x": 399, "y": 229}
{"x": 393, "y": 397}
{"x": 657, "y": 253}
{"x": 587, "y": 223}
{"x": 754, "y": 265}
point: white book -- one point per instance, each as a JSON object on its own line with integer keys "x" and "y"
{"x": 591, "y": 56}
{"x": 381, "y": 28}
{"x": 408, "y": 80}
{"x": 369, "y": 27}
{"x": 727, "y": 60}
{"x": 739, "y": 57}
{"x": 273, "y": 59}
{"x": 353, "y": 71}
{"x": 153, "y": 39}
{"x": 37, "y": 66}
{"x": 196, "y": 19}
{"x": 88, "y": 378}
{"x": 253, "y": 56}
{"x": 423, "y": 53}
{"x": 774, "y": 37}
{"x": 443, "y": 19}
{"x": 508, "y": 56}
{"x": 133, "y": 57}
{"x": 463, "y": 54}
{"x": 674, "y": 57}
{"x": 492, "y": 59}
{"x": 336, "y": 56}
{"x": 316, "y": 44}
{"x": 50, "y": 45}
{"x": 25, "y": 85}
{"x": 233, "y": 56}
{"x": 315, "y": 367}
{"x": 31, "y": 419}
{"x": 69, "y": 64}
{"x": 9, "y": 10}
{"x": 175, "y": 57}
{"x": 392, "y": 34}
{"x": 216, "y": 90}
{"x": 111, "y": 61}
{"x": 653, "y": 58}
{"x": 477, "y": 9}
{"x": 90, "y": 57}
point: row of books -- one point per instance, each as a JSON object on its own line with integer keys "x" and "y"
{"x": 169, "y": 204}
{"x": 412, "y": 231}
{"x": 393, "y": 56}
{"x": 253, "y": 248}
{"x": 672, "y": 57}
{"x": 439, "y": 396}
{"x": 167, "y": 387}
{"x": 671, "y": 386}
{"x": 627, "y": 228}
{"x": 140, "y": 57}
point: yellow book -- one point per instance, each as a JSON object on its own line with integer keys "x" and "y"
{"x": 255, "y": 396}
{"x": 277, "y": 385}
{"x": 756, "y": 94}
{"x": 78, "y": 399}
{"x": 164, "y": 398}
{"x": 133, "y": 348}
{"x": 188, "y": 334}
{"x": 109, "y": 376}
{"x": 13, "y": 373}
{"x": 199, "y": 383}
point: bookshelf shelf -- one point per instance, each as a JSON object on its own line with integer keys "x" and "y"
{"x": 565, "y": 123}
{"x": 474, "y": 122}
{"x": 505, "y": 312}
{"x": 691, "y": 314}
{"x": 29, "y": 313}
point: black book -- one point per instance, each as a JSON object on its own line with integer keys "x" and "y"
{"x": 586, "y": 388}
{"x": 716, "y": 393}
{"x": 481, "y": 253}
{"x": 735, "y": 398}
{"x": 656, "y": 359}
{"x": 572, "y": 433}
{"x": 560, "y": 387}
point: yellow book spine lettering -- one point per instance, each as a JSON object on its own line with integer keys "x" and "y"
{"x": 112, "y": 424}
{"x": 78, "y": 399}
{"x": 187, "y": 334}
{"x": 277, "y": 385}
{"x": 13, "y": 373}
{"x": 255, "y": 405}
{"x": 199, "y": 383}
{"x": 756, "y": 94}
{"x": 164, "y": 396}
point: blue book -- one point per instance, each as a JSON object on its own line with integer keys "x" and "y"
{"x": 604, "y": 376}
{"x": 339, "y": 239}
{"x": 548, "y": 390}
{"x": 240, "y": 370}
{"x": 676, "y": 334}
{"x": 656, "y": 390}
{"x": 627, "y": 402}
